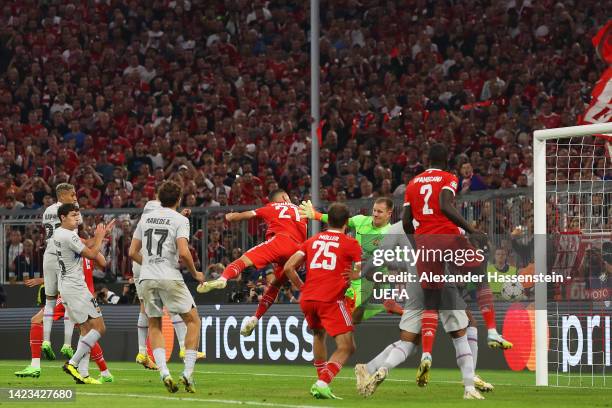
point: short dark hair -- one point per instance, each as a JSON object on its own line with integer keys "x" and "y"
{"x": 274, "y": 193}
{"x": 169, "y": 194}
{"x": 338, "y": 215}
{"x": 66, "y": 209}
{"x": 438, "y": 154}
{"x": 385, "y": 200}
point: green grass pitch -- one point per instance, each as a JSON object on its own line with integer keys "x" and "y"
{"x": 225, "y": 385}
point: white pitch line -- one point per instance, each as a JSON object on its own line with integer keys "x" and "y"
{"x": 190, "y": 399}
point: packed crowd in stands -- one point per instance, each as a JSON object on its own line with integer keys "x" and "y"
{"x": 117, "y": 96}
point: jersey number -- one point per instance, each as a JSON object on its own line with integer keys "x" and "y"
{"x": 324, "y": 258}
{"x": 61, "y": 263}
{"x": 426, "y": 191}
{"x": 283, "y": 213}
{"x": 163, "y": 234}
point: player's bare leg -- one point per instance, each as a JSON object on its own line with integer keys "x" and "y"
{"x": 345, "y": 347}
{"x": 472, "y": 333}
{"x": 159, "y": 353}
{"x": 192, "y": 341}
{"x": 231, "y": 271}
{"x": 465, "y": 363}
{"x": 180, "y": 329}
{"x": 372, "y": 374}
{"x": 36, "y": 339}
{"x": 267, "y": 300}
{"x": 143, "y": 330}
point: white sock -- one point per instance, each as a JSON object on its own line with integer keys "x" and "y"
{"x": 221, "y": 278}
{"x": 321, "y": 383}
{"x": 180, "y": 328}
{"x": 48, "y": 318}
{"x": 68, "y": 330}
{"x": 190, "y": 359}
{"x": 399, "y": 353}
{"x": 426, "y": 355}
{"x": 105, "y": 373}
{"x": 143, "y": 331}
{"x": 472, "y": 335}
{"x": 377, "y": 361}
{"x": 160, "y": 359}
{"x": 84, "y": 365}
{"x": 464, "y": 360}
{"x": 492, "y": 332}
{"x": 85, "y": 345}
{"x": 35, "y": 363}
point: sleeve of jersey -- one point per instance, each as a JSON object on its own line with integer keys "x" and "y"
{"x": 183, "y": 229}
{"x": 355, "y": 221}
{"x": 262, "y": 212}
{"x": 324, "y": 218}
{"x": 450, "y": 184}
{"x": 76, "y": 244}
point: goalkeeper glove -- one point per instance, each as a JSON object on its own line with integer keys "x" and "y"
{"x": 307, "y": 210}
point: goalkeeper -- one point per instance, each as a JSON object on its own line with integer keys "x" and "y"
{"x": 369, "y": 230}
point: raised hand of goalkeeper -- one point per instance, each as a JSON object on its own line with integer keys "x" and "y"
{"x": 307, "y": 210}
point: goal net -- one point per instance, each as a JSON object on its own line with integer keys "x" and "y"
{"x": 573, "y": 239}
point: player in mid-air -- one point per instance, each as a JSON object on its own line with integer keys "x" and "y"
{"x": 369, "y": 230}
{"x": 286, "y": 232}
{"x": 79, "y": 302}
{"x": 452, "y": 313}
{"x": 432, "y": 221}
{"x": 332, "y": 259}
{"x": 163, "y": 236}
{"x": 143, "y": 320}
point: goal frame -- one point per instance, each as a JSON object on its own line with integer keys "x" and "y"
{"x": 540, "y": 137}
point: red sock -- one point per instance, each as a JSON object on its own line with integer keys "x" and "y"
{"x": 429, "y": 325}
{"x": 36, "y": 339}
{"x": 266, "y": 301}
{"x": 485, "y": 303}
{"x": 330, "y": 371}
{"x": 234, "y": 269}
{"x": 98, "y": 356}
{"x": 320, "y": 365}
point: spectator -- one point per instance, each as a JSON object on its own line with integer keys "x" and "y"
{"x": 499, "y": 267}
{"x": 14, "y": 249}
{"x": 26, "y": 264}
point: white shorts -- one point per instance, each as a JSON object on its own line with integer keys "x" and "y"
{"x": 173, "y": 294}
{"x": 51, "y": 272}
{"x": 452, "y": 320}
{"x": 80, "y": 304}
{"x": 138, "y": 285}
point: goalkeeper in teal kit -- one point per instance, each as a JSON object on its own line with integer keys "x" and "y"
{"x": 369, "y": 230}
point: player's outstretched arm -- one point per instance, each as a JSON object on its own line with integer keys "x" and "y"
{"x": 356, "y": 271}
{"x": 100, "y": 261}
{"x": 134, "y": 251}
{"x": 185, "y": 255}
{"x": 291, "y": 266}
{"x": 236, "y": 217}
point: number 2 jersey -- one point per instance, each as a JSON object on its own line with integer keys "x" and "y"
{"x": 328, "y": 254}
{"x": 423, "y": 197}
{"x": 283, "y": 219}
{"x": 158, "y": 231}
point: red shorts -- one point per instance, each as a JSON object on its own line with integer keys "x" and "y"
{"x": 331, "y": 316}
{"x": 464, "y": 254}
{"x": 277, "y": 249}
{"x": 59, "y": 311}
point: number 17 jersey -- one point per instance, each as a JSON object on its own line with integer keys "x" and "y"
{"x": 158, "y": 231}
{"x": 423, "y": 197}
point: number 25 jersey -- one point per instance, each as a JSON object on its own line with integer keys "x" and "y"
{"x": 423, "y": 197}
{"x": 158, "y": 231}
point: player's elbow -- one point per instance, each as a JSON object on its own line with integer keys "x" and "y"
{"x": 132, "y": 254}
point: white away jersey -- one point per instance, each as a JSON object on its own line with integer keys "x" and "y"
{"x": 51, "y": 222}
{"x": 158, "y": 230}
{"x": 149, "y": 206}
{"x": 68, "y": 247}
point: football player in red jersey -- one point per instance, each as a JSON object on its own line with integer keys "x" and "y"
{"x": 329, "y": 257}
{"x": 36, "y": 334}
{"x": 286, "y": 232}
{"x": 432, "y": 222}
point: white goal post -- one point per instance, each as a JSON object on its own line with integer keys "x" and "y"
{"x": 540, "y": 231}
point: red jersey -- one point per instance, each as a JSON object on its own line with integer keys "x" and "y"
{"x": 283, "y": 219}
{"x": 88, "y": 268}
{"x": 328, "y": 254}
{"x": 423, "y": 197}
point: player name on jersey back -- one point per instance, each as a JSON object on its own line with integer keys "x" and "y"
{"x": 158, "y": 231}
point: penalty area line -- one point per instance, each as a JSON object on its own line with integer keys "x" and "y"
{"x": 200, "y": 400}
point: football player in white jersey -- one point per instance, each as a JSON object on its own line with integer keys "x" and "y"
{"x": 66, "y": 194}
{"x": 163, "y": 236}
{"x": 80, "y": 305}
{"x": 143, "y": 321}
